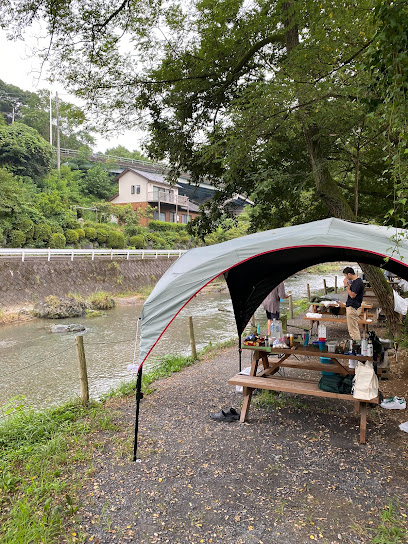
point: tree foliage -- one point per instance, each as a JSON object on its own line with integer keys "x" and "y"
{"x": 24, "y": 151}
{"x": 259, "y": 98}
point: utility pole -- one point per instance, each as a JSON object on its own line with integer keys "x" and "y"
{"x": 58, "y": 133}
{"x": 50, "y": 119}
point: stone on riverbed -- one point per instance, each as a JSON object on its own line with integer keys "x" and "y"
{"x": 73, "y": 327}
{"x": 58, "y": 308}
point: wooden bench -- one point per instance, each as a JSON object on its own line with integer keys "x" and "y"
{"x": 364, "y": 319}
{"x": 299, "y": 387}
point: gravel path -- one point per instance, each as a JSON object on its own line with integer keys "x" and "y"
{"x": 295, "y": 473}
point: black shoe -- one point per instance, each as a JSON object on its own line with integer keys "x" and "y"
{"x": 233, "y": 413}
{"x": 222, "y": 416}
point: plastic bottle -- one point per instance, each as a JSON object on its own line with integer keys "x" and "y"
{"x": 370, "y": 350}
{"x": 258, "y": 329}
{"x": 274, "y": 331}
{"x": 364, "y": 346}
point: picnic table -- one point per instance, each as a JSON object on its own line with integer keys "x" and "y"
{"x": 288, "y": 358}
{"x": 365, "y": 317}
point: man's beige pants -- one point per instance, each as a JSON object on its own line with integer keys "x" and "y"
{"x": 353, "y": 315}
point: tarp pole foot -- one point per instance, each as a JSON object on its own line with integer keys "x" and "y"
{"x": 139, "y": 396}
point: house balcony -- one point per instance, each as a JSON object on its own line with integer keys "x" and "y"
{"x": 168, "y": 198}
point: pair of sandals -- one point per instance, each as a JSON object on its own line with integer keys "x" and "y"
{"x": 226, "y": 415}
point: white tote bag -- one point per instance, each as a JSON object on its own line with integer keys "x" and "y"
{"x": 365, "y": 382}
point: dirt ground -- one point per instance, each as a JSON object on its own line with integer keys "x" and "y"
{"x": 295, "y": 473}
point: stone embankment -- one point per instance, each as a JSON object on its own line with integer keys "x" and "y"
{"x": 24, "y": 284}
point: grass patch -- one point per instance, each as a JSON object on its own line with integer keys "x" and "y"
{"x": 273, "y": 400}
{"x": 101, "y": 301}
{"x": 40, "y": 452}
{"x": 325, "y": 268}
{"x": 392, "y": 528}
{"x": 142, "y": 293}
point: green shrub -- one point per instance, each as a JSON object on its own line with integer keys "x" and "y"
{"x": 90, "y": 233}
{"x": 27, "y": 226}
{"x": 101, "y": 301}
{"x": 156, "y": 241}
{"x": 57, "y": 228}
{"x": 137, "y": 241}
{"x": 132, "y": 230}
{"x": 116, "y": 240}
{"x": 81, "y": 234}
{"x": 57, "y": 240}
{"x": 71, "y": 236}
{"x": 17, "y": 238}
{"x": 160, "y": 226}
{"x": 101, "y": 235}
{"x": 42, "y": 232}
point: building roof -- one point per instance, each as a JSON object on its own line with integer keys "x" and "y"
{"x": 150, "y": 176}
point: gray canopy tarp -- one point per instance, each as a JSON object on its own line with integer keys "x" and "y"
{"x": 253, "y": 265}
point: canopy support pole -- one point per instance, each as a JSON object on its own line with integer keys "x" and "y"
{"x": 240, "y": 353}
{"x": 139, "y": 396}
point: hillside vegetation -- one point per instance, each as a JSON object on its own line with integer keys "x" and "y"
{"x": 43, "y": 208}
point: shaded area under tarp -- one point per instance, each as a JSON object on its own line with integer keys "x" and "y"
{"x": 253, "y": 265}
{"x": 250, "y": 282}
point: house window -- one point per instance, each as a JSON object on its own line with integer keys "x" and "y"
{"x": 138, "y": 189}
{"x": 161, "y": 217}
{"x": 132, "y": 189}
{"x": 173, "y": 217}
{"x": 185, "y": 218}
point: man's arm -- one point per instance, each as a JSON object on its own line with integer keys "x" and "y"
{"x": 350, "y": 293}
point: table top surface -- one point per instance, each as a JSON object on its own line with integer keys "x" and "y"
{"x": 310, "y": 351}
{"x": 340, "y": 304}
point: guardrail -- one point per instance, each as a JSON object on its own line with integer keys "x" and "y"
{"x": 90, "y": 253}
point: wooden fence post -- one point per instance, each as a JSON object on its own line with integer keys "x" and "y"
{"x": 192, "y": 338}
{"x": 284, "y": 319}
{"x": 308, "y": 292}
{"x": 83, "y": 376}
{"x": 324, "y": 286}
{"x": 290, "y": 307}
{"x": 335, "y": 284}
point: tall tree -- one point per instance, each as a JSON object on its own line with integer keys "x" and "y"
{"x": 225, "y": 84}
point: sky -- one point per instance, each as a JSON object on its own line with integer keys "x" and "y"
{"x": 18, "y": 67}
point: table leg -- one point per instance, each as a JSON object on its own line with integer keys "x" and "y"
{"x": 246, "y": 405}
{"x": 356, "y": 407}
{"x": 264, "y": 357}
{"x": 363, "y": 422}
{"x": 247, "y": 391}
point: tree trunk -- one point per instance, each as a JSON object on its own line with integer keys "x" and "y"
{"x": 328, "y": 190}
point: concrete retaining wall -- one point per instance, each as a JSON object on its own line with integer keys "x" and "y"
{"x": 24, "y": 283}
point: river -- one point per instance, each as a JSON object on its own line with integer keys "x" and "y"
{"x": 41, "y": 366}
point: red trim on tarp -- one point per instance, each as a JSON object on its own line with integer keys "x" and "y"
{"x": 253, "y": 257}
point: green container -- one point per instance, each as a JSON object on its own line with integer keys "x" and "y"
{"x": 326, "y": 360}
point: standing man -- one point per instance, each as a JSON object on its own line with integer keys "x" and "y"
{"x": 272, "y": 303}
{"x": 355, "y": 291}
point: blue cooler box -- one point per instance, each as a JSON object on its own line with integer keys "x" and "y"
{"x": 326, "y": 360}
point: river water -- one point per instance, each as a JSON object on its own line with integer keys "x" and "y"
{"x": 42, "y": 366}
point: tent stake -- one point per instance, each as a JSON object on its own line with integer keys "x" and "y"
{"x": 139, "y": 396}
